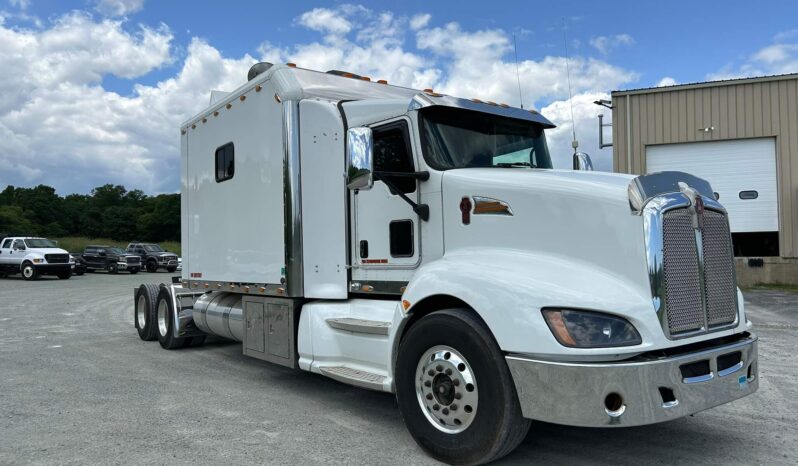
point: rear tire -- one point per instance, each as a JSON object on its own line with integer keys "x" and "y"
{"x": 455, "y": 391}
{"x": 144, "y": 312}
{"x": 152, "y": 266}
{"x": 165, "y": 322}
{"x": 29, "y": 272}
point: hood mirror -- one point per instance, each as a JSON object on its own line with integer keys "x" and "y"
{"x": 359, "y": 158}
{"x": 582, "y": 162}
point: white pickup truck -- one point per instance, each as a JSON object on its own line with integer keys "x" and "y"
{"x": 421, "y": 244}
{"x": 33, "y": 257}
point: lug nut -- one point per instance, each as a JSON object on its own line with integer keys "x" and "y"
{"x": 435, "y": 407}
{"x": 445, "y": 411}
{"x": 453, "y": 407}
{"x": 439, "y": 368}
{"x": 448, "y": 372}
{"x": 458, "y": 395}
{"x": 456, "y": 382}
{"x": 431, "y": 372}
{"x": 427, "y": 383}
{"x": 429, "y": 396}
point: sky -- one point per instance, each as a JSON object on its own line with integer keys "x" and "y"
{"x": 93, "y": 91}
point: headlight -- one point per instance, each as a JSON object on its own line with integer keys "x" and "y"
{"x": 587, "y": 329}
{"x": 38, "y": 261}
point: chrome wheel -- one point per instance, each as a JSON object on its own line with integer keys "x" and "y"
{"x": 141, "y": 311}
{"x": 446, "y": 389}
{"x": 163, "y": 315}
{"x": 28, "y": 271}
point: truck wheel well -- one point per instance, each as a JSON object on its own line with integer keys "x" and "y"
{"x": 434, "y": 303}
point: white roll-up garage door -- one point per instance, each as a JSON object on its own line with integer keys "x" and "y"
{"x": 742, "y": 172}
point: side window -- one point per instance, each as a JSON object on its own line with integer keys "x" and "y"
{"x": 90, "y": 251}
{"x": 19, "y": 244}
{"x": 401, "y": 238}
{"x": 392, "y": 154}
{"x": 225, "y": 162}
{"x": 6, "y": 244}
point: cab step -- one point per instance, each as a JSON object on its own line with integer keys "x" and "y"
{"x": 354, "y": 377}
{"x": 372, "y": 327}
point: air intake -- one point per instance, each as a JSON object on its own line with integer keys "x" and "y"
{"x": 257, "y": 69}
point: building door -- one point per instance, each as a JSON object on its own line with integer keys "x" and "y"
{"x": 742, "y": 174}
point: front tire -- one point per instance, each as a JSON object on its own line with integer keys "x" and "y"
{"x": 29, "y": 272}
{"x": 171, "y": 269}
{"x": 144, "y": 312}
{"x": 455, "y": 391}
{"x": 165, "y": 322}
{"x": 112, "y": 268}
{"x": 65, "y": 275}
{"x": 152, "y": 266}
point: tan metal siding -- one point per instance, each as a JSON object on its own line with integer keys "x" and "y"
{"x": 748, "y": 109}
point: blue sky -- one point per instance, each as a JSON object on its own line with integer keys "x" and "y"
{"x": 97, "y": 88}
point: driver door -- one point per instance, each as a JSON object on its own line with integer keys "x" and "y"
{"x": 386, "y": 243}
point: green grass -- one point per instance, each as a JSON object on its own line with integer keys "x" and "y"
{"x": 78, "y": 243}
{"x": 775, "y": 287}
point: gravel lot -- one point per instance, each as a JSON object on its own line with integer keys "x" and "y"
{"x": 77, "y": 386}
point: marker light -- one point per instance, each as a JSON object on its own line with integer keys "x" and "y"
{"x": 588, "y": 329}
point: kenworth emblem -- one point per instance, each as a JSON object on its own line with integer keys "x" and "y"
{"x": 698, "y": 213}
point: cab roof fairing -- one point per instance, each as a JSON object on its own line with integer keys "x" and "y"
{"x": 422, "y": 100}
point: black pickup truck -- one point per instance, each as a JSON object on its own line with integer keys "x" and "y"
{"x": 154, "y": 256}
{"x": 98, "y": 257}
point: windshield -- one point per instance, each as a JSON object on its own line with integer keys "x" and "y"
{"x": 40, "y": 243}
{"x": 457, "y": 138}
{"x": 152, "y": 248}
{"x": 117, "y": 251}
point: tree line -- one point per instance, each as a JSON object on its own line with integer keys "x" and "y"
{"x": 110, "y": 211}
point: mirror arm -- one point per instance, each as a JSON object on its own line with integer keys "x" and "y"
{"x": 421, "y": 209}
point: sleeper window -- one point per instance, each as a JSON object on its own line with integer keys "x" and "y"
{"x": 225, "y": 162}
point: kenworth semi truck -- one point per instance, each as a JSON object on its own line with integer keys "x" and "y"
{"x": 422, "y": 244}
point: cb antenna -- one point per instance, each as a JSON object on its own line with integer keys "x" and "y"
{"x": 574, "y": 142}
{"x": 517, "y": 74}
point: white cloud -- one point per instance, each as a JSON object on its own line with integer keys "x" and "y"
{"x": 605, "y": 44}
{"x": 780, "y": 57}
{"x": 586, "y": 122}
{"x": 119, "y": 7}
{"x": 667, "y": 81}
{"x": 60, "y": 126}
{"x": 325, "y": 20}
{"x": 419, "y": 21}
{"x": 21, "y": 4}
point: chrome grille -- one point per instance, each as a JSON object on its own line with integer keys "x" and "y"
{"x": 132, "y": 260}
{"x": 689, "y": 307}
{"x": 719, "y": 286}
{"x": 685, "y": 311}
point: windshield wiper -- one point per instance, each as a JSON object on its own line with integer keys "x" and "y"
{"x": 516, "y": 164}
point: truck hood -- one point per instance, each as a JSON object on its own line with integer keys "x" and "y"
{"x": 577, "y": 216}
{"x": 47, "y": 250}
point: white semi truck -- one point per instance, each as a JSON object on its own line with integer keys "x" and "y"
{"x": 421, "y": 244}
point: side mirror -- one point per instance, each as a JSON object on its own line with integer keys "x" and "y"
{"x": 582, "y": 162}
{"x": 359, "y": 158}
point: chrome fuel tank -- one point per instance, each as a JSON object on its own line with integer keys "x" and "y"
{"x": 220, "y": 314}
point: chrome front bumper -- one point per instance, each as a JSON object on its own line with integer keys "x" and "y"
{"x": 651, "y": 390}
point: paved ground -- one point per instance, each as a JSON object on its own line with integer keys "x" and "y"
{"x": 77, "y": 386}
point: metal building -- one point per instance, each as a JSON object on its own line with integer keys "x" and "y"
{"x": 742, "y": 136}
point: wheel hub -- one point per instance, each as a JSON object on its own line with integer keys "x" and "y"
{"x": 446, "y": 389}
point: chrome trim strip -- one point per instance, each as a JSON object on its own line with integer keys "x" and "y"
{"x": 269, "y": 289}
{"x": 292, "y": 198}
{"x": 377, "y": 287}
{"x": 730, "y": 370}
{"x": 699, "y": 378}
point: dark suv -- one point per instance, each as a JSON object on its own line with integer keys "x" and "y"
{"x": 153, "y": 256}
{"x": 111, "y": 259}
